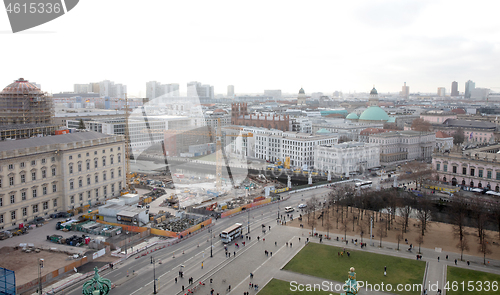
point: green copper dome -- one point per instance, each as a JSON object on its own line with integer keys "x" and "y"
{"x": 374, "y": 113}
{"x": 352, "y": 116}
{"x": 374, "y": 91}
{"x": 301, "y": 91}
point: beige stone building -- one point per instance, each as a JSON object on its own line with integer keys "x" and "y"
{"x": 43, "y": 175}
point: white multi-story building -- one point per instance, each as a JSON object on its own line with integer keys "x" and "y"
{"x": 277, "y": 145}
{"x": 42, "y": 175}
{"x": 349, "y": 130}
{"x": 347, "y": 157}
{"x": 196, "y": 89}
{"x": 301, "y": 124}
{"x": 155, "y": 90}
{"x": 401, "y": 146}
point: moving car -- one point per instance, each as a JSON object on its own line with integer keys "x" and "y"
{"x": 301, "y": 206}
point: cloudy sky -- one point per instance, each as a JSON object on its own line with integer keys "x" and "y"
{"x": 256, "y": 45}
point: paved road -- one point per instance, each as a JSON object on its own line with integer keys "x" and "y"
{"x": 196, "y": 250}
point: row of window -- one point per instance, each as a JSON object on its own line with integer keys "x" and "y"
{"x": 472, "y": 171}
{"x": 96, "y": 195}
{"x": 24, "y": 210}
{"x": 96, "y": 179}
{"x": 22, "y": 176}
{"x": 34, "y": 194}
{"x": 96, "y": 162}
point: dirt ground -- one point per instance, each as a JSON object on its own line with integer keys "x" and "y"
{"x": 26, "y": 264}
{"x": 438, "y": 234}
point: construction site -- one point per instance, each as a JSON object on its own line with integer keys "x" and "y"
{"x": 25, "y": 111}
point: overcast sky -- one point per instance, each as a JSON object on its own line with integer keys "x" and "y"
{"x": 256, "y": 45}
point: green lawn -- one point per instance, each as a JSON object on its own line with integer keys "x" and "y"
{"x": 322, "y": 261}
{"x": 459, "y": 275}
{"x": 279, "y": 287}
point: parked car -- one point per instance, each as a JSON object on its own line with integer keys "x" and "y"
{"x": 302, "y": 206}
{"x": 37, "y": 220}
{"x": 61, "y": 215}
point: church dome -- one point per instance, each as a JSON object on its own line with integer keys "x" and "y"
{"x": 301, "y": 91}
{"x": 374, "y": 91}
{"x": 374, "y": 113}
{"x": 352, "y": 116}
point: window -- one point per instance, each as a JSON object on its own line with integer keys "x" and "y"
{"x": 33, "y": 163}
{"x": 12, "y": 199}
{"x": 54, "y": 203}
{"x": 1, "y": 218}
{"x": 33, "y": 176}
{"x": 72, "y": 199}
{"x": 23, "y": 178}
{"x": 88, "y": 165}
{"x": 11, "y": 180}
{"x": 53, "y": 159}
{"x": 88, "y": 195}
{"x": 35, "y": 208}
{"x": 11, "y": 166}
{"x": 118, "y": 148}
{"x": 445, "y": 167}
{"x": 21, "y": 165}
{"x": 34, "y": 192}
{"x": 119, "y": 157}
{"x": 95, "y": 163}
{"x": 103, "y": 162}
{"x": 119, "y": 172}
{"x": 104, "y": 177}
{"x": 13, "y": 215}
{"x": 1, "y": 202}
{"x": 45, "y": 205}
{"x": 79, "y": 156}
{"x": 112, "y": 188}
{"x": 120, "y": 185}
{"x": 464, "y": 170}
{"x": 88, "y": 180}
{"x": 80, "y": 197}
{"x": 438, "y": 166}
{"x": 71, "y": 184}
{"x": 472, "y": 170}
{"x": 70, "y": 169}
{"x": 25, "y": 211}
{"x": 112, "y": 174}
{"x": 111, "y": 149}
{"x": 54, "y": 188}
{"x": 103, "y": 151}
{"x": 44, "y": 173}
{"x": 97, "y": 193}
{"x": 43, "y": 161}
{"x": 480, "y": 173}
{"x": 95, "y": 152}
{"x": 105, "y": 190}
{"x": 111, "y": 160}
{"x": 96, "y": 178}
{"x": 87, "y": 154}
{"x": 23, "y": 196}
{"x": 44, "y": 190}
{"x": 79, "y": 167}
{"x": 80, "y": 183}
{"x": 53, "y": 171}
{"x": 454, "y": 169}
{"x": 488, "y": 174}
{"x": 71, "y": 157}
{"x": 0, "y": 182}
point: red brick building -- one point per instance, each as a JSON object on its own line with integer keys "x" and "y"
{"x": 240, "y": 116}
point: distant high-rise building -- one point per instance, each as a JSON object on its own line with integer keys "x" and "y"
{"x": 230, "y": 91}
{"x": 109, "y": 88}
{"x": 469, "y": 86}
{"x": 441, "y": 91}
{"x": 405, "y": 91}
{"x": 155, "y": 89}
{"x": 196, "y": 89}
{"x": 454, "y": 88}
{"x": 276, "y": 94}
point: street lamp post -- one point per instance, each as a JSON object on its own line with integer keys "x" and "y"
{"x": 211, "y": 245}
{"x": 40, "y": 266}
{"x": 154, "y": 276}
{"x": 248, "y": 226}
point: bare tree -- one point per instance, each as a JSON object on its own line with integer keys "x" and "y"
{"x": 496, "y": 217}
{"x": 399, "y": 237}
{"x": 420, "y": 241}
{"x": 480, "y": 216}
{"x": 344, "y": 226}
{"x": 311, "y": 208}
{"x": 458, "y": 136}
{"x": 458, "y": 215}
{"x": 484, "y": 246}
{"x": 416, "y": 171}
{"x": 424, "y": 214}
{"x": 420, "y": 125}
{"x": 381, "y": 232}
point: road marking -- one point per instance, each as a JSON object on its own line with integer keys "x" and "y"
{"x": 164, "y": 274}
{"x": 136, "y": 291}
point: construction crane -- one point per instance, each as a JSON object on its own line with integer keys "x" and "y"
{"x": 219, "y": 151}
{"x": 128, "y": 187}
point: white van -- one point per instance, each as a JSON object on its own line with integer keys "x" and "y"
{"x": 288, "y": 209}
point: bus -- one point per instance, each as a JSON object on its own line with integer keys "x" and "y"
{"x": 231, "y": 233}
{"x": 289, "y": 209}
{"x": 363, "y": 184}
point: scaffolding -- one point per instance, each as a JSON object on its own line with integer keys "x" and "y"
{"x": 23, "y": 103}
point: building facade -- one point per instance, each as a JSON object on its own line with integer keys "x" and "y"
{"x": 401, "y": 146}
{"x": 347, "y": 157}
{"x": 469, "y": 86}
{"x": 240, "y": 116}
{"x": 469, "y": 168}
{"x": 39, "y": 176}
{"x": 454, "y": 88}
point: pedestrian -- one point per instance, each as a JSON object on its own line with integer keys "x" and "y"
{"x": 275, "y": 243}
{"x": 229, "y": 254}
{"x": 269, "y": 227}
{"x": 212, "y": 291}
{"x": 446, "y": 257}
{"x": 176, "y": 280}
{"x": 226, "y": 254}
{"x": 299, "y": 239}
{"x": 271, "y": 254}
{"x": 348, "y": 254}
{"x": 287, "y": 244}
{"x": 258, "y": 238}
{"x": 468, "y": 263}
{"x": 211, "y": 280}
{"x": 455, "y": 262}
{"x": 290, "y": 244}
{"x": 438, "y": 258}
{"x": 234, "y": 253}
{"x": 182, "y": 288}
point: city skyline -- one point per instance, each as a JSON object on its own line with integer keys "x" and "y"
{"x": 320, "y": 46}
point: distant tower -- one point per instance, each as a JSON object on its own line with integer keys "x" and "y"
{"x": 469, "y": 86}
{"x": 373, "y": 101}
{"x": 405, "y": 91}
{"x": 441, "y": 91}
{"x": 454, "y": 88}
{"x": 230, "y": 91}
{"x": 301, "y": 98}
